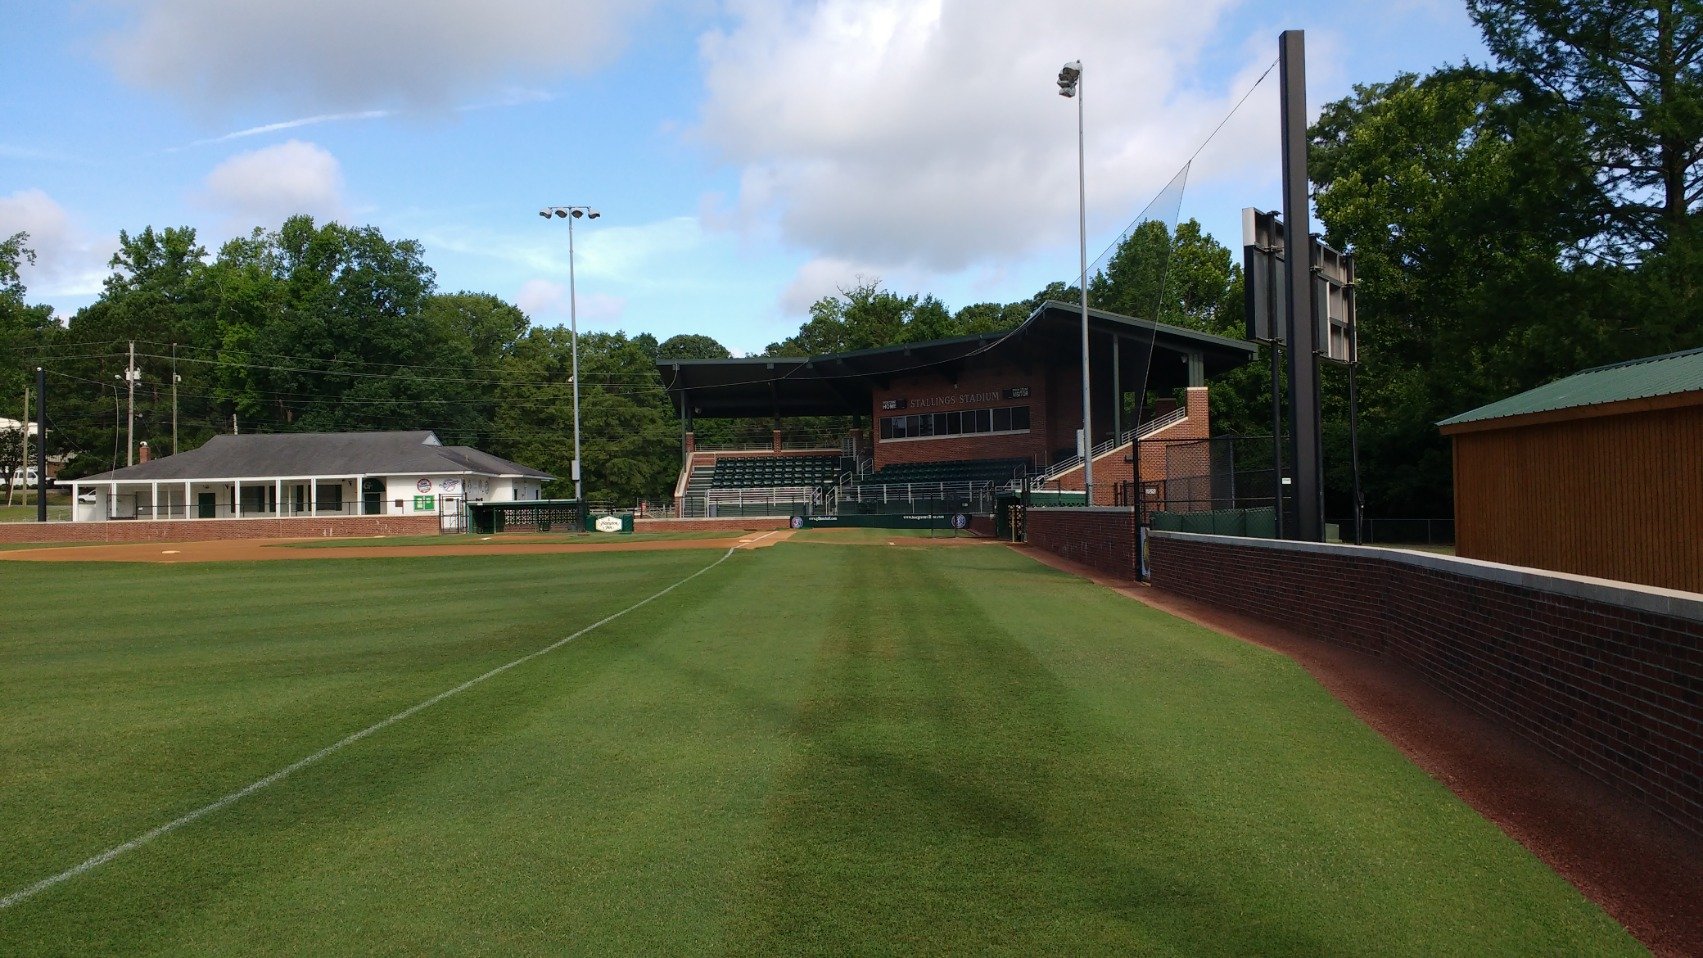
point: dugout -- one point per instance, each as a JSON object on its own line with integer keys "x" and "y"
{"x": 535, "y": 515}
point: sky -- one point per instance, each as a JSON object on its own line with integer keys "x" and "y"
{"x": 747, "y": 156}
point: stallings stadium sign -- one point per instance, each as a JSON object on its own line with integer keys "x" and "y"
{"x": 962, "y": 399}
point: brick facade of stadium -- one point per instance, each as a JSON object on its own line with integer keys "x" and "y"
{"x": 1034, "y": 444}
{"x": 1055, "y": 409}
{"x": 1606, "y": 676}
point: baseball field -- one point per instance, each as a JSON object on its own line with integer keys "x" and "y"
{"x": 848, "y": 746}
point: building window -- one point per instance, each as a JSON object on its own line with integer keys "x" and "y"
{"x": 964, "y": 422}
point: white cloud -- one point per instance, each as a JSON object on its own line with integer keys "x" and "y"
{"x": 266, "y": 186}
{"x": 294, "y": 124}
{"x": 332, "y": 54}
{"x": 930, "y": 136}
{"x": 546, "y": 301}
{"x": 541, "y": 297}
{"x": 68, "y": 262}
{"x": 638, "y": 255}
{"x": 601, "y": 309}
{"x": 633, "y": 254}
{"x": 821, "y": 277}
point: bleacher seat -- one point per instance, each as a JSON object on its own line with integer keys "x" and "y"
{"x": 750, "y": 472}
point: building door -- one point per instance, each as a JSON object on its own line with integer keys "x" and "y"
{"x": 372, "y": 497}
{"x": 451, "y": 516}
{"x": 206, "y": 505}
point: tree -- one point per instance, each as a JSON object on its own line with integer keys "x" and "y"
{"x": 1631, "y": 75}
{"x": 24, "y": 329}
{"x": 1631, "y": 72}
{"x": 472, "y": 333}
{"x": 990, "y": 317}
{"x": 691, "y": 346}
{"x": 866, "y": 316}
{"x": 479, "y": 326}
{"x": 1458, "y": 207}
{"x": 627, "y": 436}
{"x": 332, "y": 331}
{"x": 158, "y": 293}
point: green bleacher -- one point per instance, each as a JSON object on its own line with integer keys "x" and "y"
{"x": 963, "y": 470}
{"x": 751, "y": 472}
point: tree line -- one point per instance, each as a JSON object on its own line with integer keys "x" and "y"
{"x": 1512, "y": 222}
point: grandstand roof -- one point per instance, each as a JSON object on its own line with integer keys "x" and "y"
{"x": 844, "y": 383}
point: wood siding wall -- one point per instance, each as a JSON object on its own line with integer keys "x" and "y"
{"x": 1616, "y": 497}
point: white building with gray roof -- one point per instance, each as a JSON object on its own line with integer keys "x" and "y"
{"x": 307, "y": 474}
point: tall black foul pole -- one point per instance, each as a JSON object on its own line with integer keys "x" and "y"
{"x": 40, "y": 445}
{"x": 1306, "y": 447}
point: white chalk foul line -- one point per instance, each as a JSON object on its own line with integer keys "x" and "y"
{"x": 24, "y": 894}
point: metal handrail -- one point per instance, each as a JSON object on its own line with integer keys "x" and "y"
{"x": 975, "y": 493}
{"x": 1145, "y": 429}
{"x": 757, "y": 495}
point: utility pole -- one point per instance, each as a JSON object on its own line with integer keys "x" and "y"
{"x": 40, "y": 445}
{"x": 175, "y": 379}
{"x": 131, "y": 374}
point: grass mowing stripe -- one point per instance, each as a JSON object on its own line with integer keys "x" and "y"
{"x": 24, "y": 894}
{"x": 995, "y": 759}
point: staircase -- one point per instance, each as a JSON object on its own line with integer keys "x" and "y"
{"x": 697, "y": 485}
{"x": 1144, "y": 430}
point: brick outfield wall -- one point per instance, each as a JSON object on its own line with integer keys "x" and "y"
{"x": 1606, "y": 676}
{"x": 1101, "y": 538}
{"x": 203, "y": 530}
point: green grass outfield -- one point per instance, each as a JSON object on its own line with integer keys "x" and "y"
{"x": 803, "y": 750}
{"x": 866, "y": 535}
{"x": 510, "y": 539}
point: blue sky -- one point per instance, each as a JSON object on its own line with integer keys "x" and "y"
{"x": 748, "y": 156}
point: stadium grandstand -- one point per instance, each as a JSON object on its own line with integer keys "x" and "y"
{"x": 944, "y": 426}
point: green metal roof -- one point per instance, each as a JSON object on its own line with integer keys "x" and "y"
{"x": 1635, "y": 379}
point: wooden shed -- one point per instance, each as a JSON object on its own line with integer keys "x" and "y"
{"x": 1597, "y": 474}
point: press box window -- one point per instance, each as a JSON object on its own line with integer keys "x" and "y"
{"x": 965, "y": 422}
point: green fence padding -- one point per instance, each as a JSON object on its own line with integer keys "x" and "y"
{"x": 879, "y": 521}
{"x": 1256, "y": 523}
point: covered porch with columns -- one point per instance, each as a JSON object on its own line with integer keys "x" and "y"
{"x": 232, "y": 498}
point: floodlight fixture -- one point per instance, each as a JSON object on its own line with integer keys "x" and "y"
{"x": 1068, "y": 77}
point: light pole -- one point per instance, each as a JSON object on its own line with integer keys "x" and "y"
{"x": 571, "y": 213}
{"x": 1070, "y": 86}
